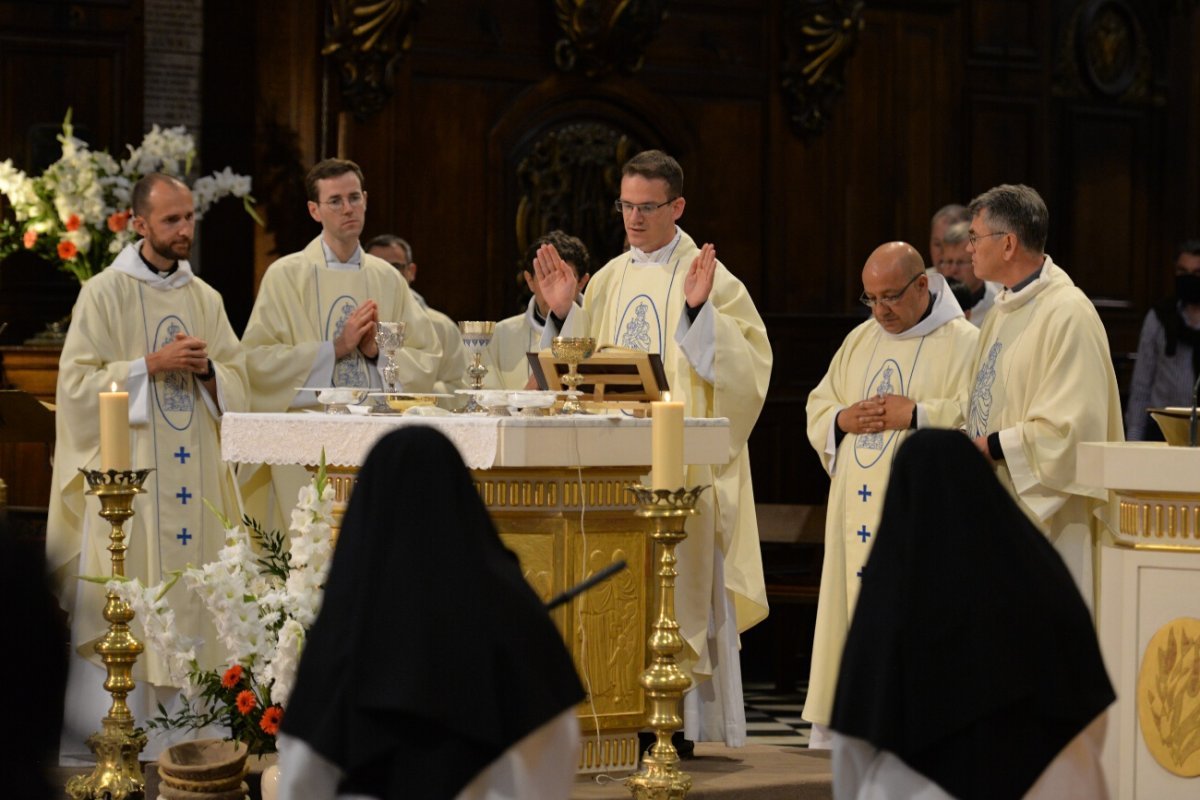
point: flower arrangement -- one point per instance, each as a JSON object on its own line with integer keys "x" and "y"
{"x": 76, "y": 213}
{"x": 263, "y": 590}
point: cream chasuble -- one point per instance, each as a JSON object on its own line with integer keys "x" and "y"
{"x": 506, "y": 359}
{"x": 122, "y": 314}
{"x": 930, "y": 363}
{"x": 452, "y": 366}
{"x": 1045, "y": 381}
{"x": 302, "y": 304}
{"x": 719, "y": 366}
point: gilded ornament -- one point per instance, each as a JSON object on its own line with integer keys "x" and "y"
{"x": 1168, "y": 697}
{"x": 367, "y": 39}
{"x": 606, "y": 35}
{"x": 818, "y": 39}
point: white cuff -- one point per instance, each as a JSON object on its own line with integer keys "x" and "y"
{"x": 698, "y": 340}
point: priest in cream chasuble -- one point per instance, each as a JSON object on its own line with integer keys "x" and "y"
{"x": 717, "y": 360}
{"x": 905, "y": 368}
{"x": 1044, "y": 379}
{"x": 313, "y": 325}
{"x": 150, "y": 326}
{"x": 302, "y": 308}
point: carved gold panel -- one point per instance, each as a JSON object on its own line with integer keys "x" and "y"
{"x": 538, "y": 514}
{"x": 1168, "y": 697}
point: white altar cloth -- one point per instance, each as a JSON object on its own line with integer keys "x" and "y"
{"x": 484, "y": 442}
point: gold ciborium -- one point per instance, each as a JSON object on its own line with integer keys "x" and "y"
{"x": 572, "y": 349}
{"x": 476, "y": 335}
{"x": 664, "y": 682}
{"x": 118, "y": 774}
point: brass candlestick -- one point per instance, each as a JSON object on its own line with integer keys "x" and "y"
{"x": 660, "y": 777}
{"x": 118, "y": 774}
{"x": 572, "y": 350}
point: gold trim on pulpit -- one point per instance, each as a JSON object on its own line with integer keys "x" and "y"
{"x": 1158, "y": 521}
{"x": 1168, "y": 697}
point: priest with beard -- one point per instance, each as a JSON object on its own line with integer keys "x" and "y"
{"x": 670, "y": 296}
{"x": 148, "y": 325}
{"x": 903, "y": 369}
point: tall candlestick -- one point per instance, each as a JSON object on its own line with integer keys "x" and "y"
{"x": 666, "y": 452}
{"x": 114, "y": 430}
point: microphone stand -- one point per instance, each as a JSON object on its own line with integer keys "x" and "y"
{"x": 583, "y": 586}
{"x": 1192, "y": 419}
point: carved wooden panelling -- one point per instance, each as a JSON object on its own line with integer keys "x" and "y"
{"x": 602, "y": 36}
{"x": 367, "y": 39}
{"x": 1012, "y": 30}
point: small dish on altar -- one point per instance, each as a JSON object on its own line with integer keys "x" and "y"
{"x": 531, "y": 403}
{"x": 336, "y": 399}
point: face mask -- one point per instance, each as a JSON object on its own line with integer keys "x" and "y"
{"x": 1187, "y": 288}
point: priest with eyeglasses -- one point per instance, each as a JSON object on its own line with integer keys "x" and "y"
{"x": 904, "y": 368}
{"x": 670, "y": 296}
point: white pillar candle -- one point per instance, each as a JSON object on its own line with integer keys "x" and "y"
{"x": 114, "y": 430}
{"x": 666, "y": 453}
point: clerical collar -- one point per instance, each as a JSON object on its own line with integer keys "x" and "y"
{"x": 929, "y": 308}
{"x": 1033, "y": 276}
{"x": 158, "y": 273}
{"x": 333, "y": 262}
{"x": 660, "y": 256}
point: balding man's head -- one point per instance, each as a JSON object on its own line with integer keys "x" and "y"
{"x": 895, "y": 286}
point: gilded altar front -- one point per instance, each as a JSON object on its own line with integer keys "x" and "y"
{"x": 565, "y": 525}
{"x": 557, "y": 490}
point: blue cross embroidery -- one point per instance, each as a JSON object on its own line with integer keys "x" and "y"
{"x": 184, "y": 495}
{"x": 864, "y": 492}
{"x": 182, "y": 455}
{"x": 183, "y": 537}
{"x": 864, "y": 533}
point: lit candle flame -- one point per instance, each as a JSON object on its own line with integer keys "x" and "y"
{"x": 666, "y": 397}
{"x": 114, "y": 387}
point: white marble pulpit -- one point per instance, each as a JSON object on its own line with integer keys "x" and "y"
{"x": 1148, "y": 615}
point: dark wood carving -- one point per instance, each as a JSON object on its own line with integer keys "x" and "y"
{"x": 1105, "y": 52}
{"x": 606, "y": 35}
{"x": 818, "y": 37}
{"x": 367, "y": 39}
{"x": 569, "y": 180}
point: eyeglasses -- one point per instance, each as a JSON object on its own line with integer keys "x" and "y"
{"x": 888, "y": 299}
{"x": 646, "y": 209}
{"x": 955, "y": 263}
{"x": 974, "y": 238}
{"x": 338, "y": 202}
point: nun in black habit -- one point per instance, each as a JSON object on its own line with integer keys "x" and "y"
{"x": 432, "y": 669}
{"x": 971, "y": 668}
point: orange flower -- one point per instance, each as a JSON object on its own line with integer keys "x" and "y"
{"x": 246, "y": 701}
{"x": 118, "y": 221}
{"x": 232, "y": 676}
{"x": 30, "y": 239}
{"x": 67, "y": 250}
{"x": 271, "y": 719}
{"x": 73, "y": 222}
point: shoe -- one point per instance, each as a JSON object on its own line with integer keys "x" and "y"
{"x": 686, "y": 748}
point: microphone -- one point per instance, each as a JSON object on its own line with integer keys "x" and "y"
{"x": 1192, "y": 419}
{"x": 580, "y": 588}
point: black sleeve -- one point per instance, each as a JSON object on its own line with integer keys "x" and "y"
{"x": 994, "y": 448}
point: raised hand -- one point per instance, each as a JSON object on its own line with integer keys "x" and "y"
{"x": 184, "y": 354}
{"x": 699, "y": 281}
{"x": 557, "y": 280}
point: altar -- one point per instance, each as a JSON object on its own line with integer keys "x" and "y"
{"x": 556, "y": 488}
{"x": 1148, "y": 615}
